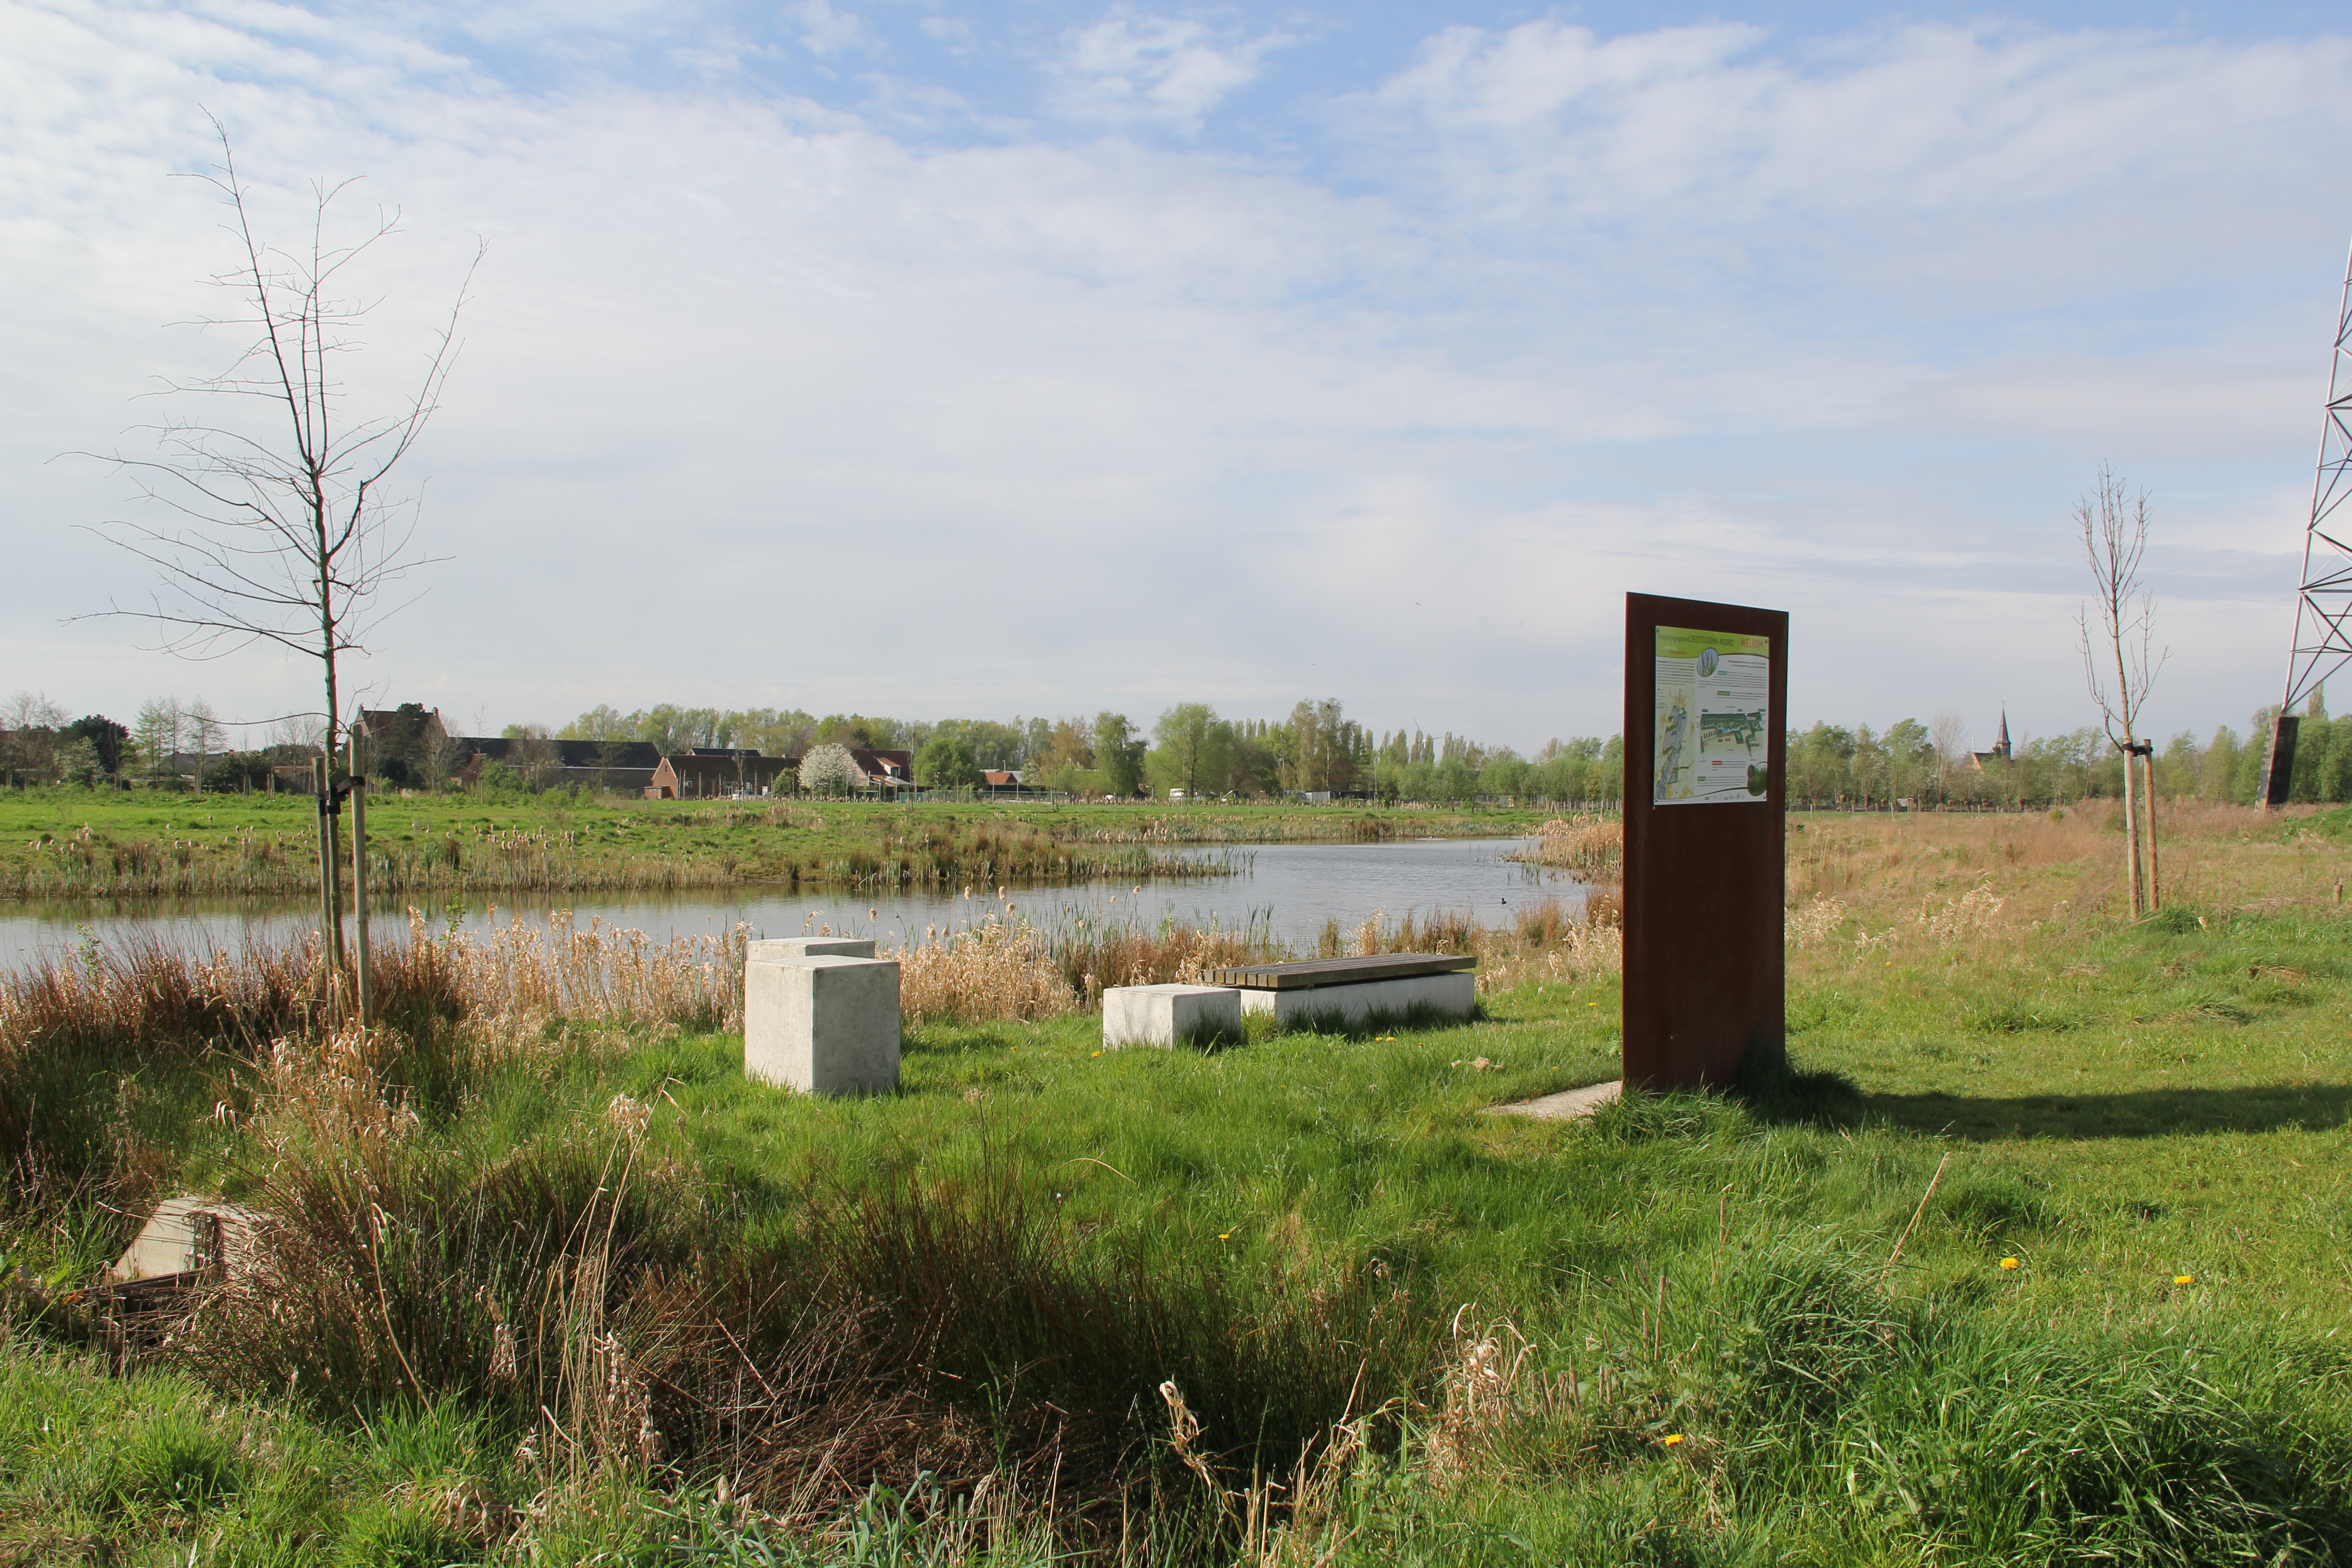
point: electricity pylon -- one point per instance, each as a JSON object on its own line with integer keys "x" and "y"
{"x": 2323, "y": 617}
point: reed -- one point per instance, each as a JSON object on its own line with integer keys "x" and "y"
{"x": 1591, "y": 845}
{"x": 1008, "y": 853}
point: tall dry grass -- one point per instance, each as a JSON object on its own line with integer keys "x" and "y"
{"x": 1004, "y": 968}
{"x": 587, "y": 1283}
{"x": 1586, "y": 843}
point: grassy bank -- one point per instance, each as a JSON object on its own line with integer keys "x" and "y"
{"x": 67, "y": 844}
{"x": 2041, "y": 1259}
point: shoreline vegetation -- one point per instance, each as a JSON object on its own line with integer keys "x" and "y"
{"x": 2034, "y": 1257}
{"x": 70, "y": 843}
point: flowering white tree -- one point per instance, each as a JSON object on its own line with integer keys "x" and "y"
{"x": 826, "y": 771}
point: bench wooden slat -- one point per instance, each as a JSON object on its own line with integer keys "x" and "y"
{"x": 1317, "y": 972}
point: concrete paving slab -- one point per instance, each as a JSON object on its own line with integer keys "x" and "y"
{"x": 186, "y": 1234}
{"x": 1568, "y": 1105}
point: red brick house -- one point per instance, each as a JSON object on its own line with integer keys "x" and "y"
{"x": 706, "y": 772}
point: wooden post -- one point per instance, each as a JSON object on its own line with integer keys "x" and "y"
{"x": 2154, "y": 891}
{"x": 1705, "y": 872}
{"x": 358, "y": 884}
{"x": 330, "y": 924}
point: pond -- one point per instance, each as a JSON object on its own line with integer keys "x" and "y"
{"x": 1290, "y": 890}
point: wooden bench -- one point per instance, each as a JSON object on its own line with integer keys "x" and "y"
{"x": 1352, "y": 989}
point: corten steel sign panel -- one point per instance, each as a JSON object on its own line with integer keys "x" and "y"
{"x": 1706, "y": 724}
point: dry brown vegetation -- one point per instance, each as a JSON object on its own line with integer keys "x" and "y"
{"x": 1590, "y": 844}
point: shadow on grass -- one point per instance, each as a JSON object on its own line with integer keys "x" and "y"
{"x": 2140, "y": 1113}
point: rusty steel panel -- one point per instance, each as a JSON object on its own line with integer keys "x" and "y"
{"x": 1705, "y": 981}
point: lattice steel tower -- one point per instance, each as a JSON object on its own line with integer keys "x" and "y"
{"x": 2323, "y": 617}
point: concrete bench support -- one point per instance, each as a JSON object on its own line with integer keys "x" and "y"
{"x": 1454, "y": 995}
{"x": 1169, "y": 1014}
{"x": 823, "y": 1024}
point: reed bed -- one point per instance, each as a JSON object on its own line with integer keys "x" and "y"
{"x": 1006, "y": 968}
{"x": 1284, "y": 827}
{"x": 483, "y": 858}
{"x": 1013, "y": 853}
{"x": 529, "y": 973}
{"x": 249, "y": 863}
{"x": 1591, "y": 845}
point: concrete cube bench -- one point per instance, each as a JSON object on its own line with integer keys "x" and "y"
{"x": 1349, "y": 991}
{"x": 1169, "y": 1014}
{"x": 821, "y": 1023}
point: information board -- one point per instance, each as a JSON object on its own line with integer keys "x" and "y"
{"x": 1705, "y": 969}
{"x": 1714, "y": 707}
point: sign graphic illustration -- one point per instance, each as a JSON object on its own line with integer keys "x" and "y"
{"x": 1714, "y": 712}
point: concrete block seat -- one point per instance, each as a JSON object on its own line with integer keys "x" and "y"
{"x": 1349, "y": 991}
{"x": 823, "y": 1023}
{"x": 1169, "y": 1014}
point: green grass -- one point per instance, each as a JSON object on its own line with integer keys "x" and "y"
{"x": 77, "y": 844}
{"x": 2115, "y": 1108}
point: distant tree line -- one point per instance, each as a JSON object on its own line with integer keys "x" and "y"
{"x": 1830, "y": 765}
{"x": 1314, "y": 748}
{"x": 172, "y": 743}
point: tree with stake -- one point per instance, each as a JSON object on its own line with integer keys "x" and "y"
{"x": 2113, "y": 526}
{"x": 279, "y": 527}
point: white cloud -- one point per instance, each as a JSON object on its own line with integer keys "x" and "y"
{"x": 826, "y": 30}
{"x": 1138, "y": 67}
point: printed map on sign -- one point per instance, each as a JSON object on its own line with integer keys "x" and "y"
{"x": 1713, "y": 735}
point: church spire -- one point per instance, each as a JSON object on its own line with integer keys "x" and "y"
{"x": 2001, "y": 745}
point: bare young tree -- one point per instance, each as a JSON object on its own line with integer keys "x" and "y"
{"x": 2116, "y": 638}
{"x": 278, "y": 525}
{"x": 1947, "y": 733}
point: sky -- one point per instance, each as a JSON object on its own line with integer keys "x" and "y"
{"x": 938, "y": 360}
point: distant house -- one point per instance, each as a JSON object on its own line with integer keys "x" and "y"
{"x": 624, "y": 766}
{"x": 871, "y": 769}
{"x": 712, "y": 771}
{"x": 405, "y": 745}
{"x": 996, "y": 779}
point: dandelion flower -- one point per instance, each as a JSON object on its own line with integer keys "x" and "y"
{"x": 2184, "y": 1280}
{"x": 2009, "y": 1263}
{"x": 1671, "y": 1438}
{"x": 1097, "y": 1053}
{"x": 1225, "y": 1235}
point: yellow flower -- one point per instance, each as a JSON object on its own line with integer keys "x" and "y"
{"x": 1225, "y": 1235}
{"x": 1385, "y": 1040}
{"x": 2184, "y": 1280}
{"x": 1097, "y": 1053}
{"x": 2009, "y": 1263}
{"x": 1671, "y": 1438}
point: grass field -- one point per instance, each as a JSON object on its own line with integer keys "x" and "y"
{"x": 78, "y": 843}
{"x": 2041, "y": 1256}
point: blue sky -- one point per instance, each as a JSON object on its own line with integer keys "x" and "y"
{"x": 938, "y": 359}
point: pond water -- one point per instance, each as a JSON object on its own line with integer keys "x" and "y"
{"x": 1290, "y": 890}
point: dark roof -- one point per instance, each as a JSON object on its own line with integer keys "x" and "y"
{"x": 574, "y": 753}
